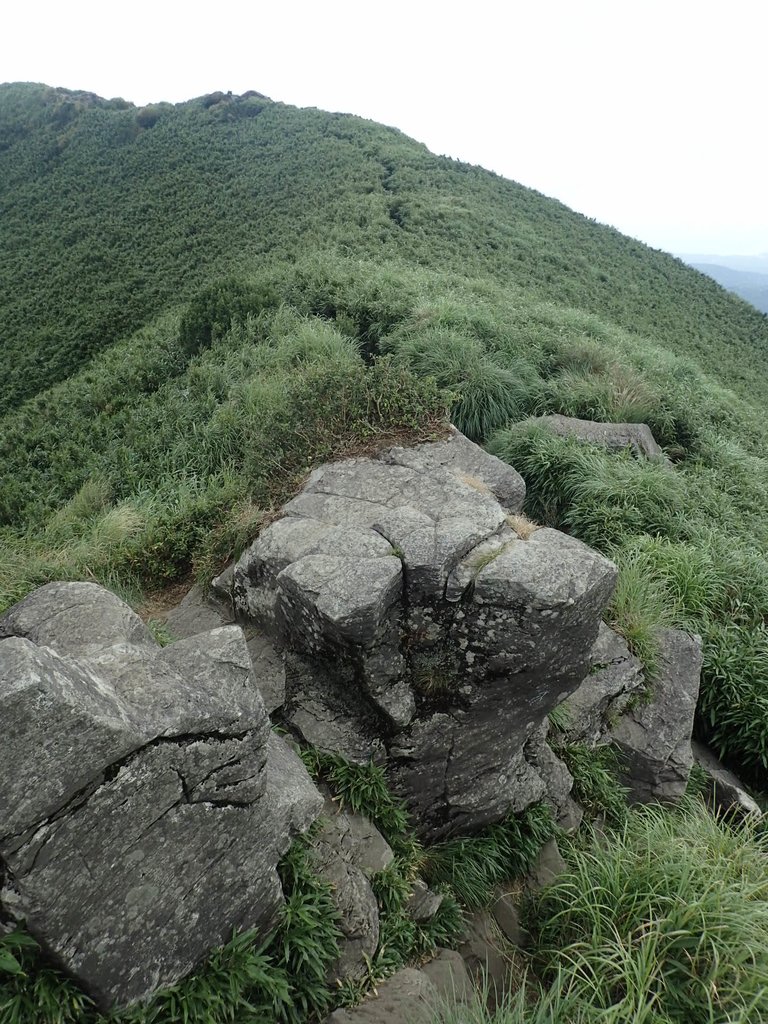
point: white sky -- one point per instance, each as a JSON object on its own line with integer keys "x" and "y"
{"x": 645, "y": 114}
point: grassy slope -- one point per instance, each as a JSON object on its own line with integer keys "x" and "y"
{"x": 107, "y": 220}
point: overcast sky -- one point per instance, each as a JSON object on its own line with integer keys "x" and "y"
{"x": 645, "y": 114}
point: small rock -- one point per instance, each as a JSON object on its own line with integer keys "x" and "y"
{"x": 654, "y": 738}
{"x": 449, "y": 974}
{"x": 506, "y": 914}
{"x": 423, "y": 904}
{"x": 613, "y": 436}
{"x": 548, "y": 866}
{"x": 408, "y": 997}
{"x": 724, "y": 791}
{"x": 482, "y": 953}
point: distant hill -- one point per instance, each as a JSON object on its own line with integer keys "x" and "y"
{"x": 111, "y": 213}
{"x": 746, "y": 276}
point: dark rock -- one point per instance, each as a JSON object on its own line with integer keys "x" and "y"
{"x": 423, "y": 904}
{"x": 482, "y": 950}
{"x": 548, "y": 865}
{"x": 449, "y": 974}
{"x": 724, "y": 790}
{"x": 447, "y": 656}
{"x": 654, "y": 738}
{"x": 614, "y": 678}
{"x": 614, "y": 436}
{"x": 558, "y": 781}
{"x": 506, "y": 913}
{"x": 268, "y": 668}
{"x": 221, "y": 585}
{"x": 197, "y": 613}
{"x": 324, "y": 706}
{"x": 347, "y": 850}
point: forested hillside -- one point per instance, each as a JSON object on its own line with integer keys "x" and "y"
{"x": 201, "y": 302}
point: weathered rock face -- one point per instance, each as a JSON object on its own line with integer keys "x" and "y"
{"x": 615, "y": 676}
{"x": 346, "y": 851}
{"x": 145, "y": 801}
{"x": 614, "y": 436}
{"x": 420, "y": 629}
{"x": 654, "y": 738}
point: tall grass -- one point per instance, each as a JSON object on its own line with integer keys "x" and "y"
{"x": 670, "y": 913}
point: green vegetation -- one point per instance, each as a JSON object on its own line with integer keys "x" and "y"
{"x": 595, "y": 783}
{"x": 663, "y": 921}
{"x": 219, "y": 295}
{"x": 473, "y": 865}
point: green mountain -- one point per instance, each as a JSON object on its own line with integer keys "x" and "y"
{"x": 200, "y": 302}
{"x": 111, "y": 213}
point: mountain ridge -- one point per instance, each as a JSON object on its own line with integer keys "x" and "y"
{"x": 222, "y": 176}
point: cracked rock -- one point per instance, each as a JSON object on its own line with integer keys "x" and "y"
{"x": 145, "y": 801}
{"x": 420, "y": 629}
{"x": 346, "y": 851}
{"x": 615, "y": 676}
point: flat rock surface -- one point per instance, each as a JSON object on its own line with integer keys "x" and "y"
{"x": 405, "y": 998}
{"x": 72, "y": 616}
{"x": 614, "y": 436}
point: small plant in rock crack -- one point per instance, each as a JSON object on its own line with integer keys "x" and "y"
{"x": 434, "y": 674}
{"x": 363, "y": 787}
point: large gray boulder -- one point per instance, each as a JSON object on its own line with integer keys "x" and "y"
{"x": 71, "y": 617}
{"x": 654, "y": 737}
{"x": 613, "y": 436}
{"x": 421, "y": 629}
{"x": 145, "y": 802}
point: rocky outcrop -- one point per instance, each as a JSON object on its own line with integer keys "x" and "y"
{"x": 421, "y": 629}
{"x": 199, "y": 613}
{"x": 145, "y": 801}
{"x": 654, "y": 737}
{"x": 613, "y": 436}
